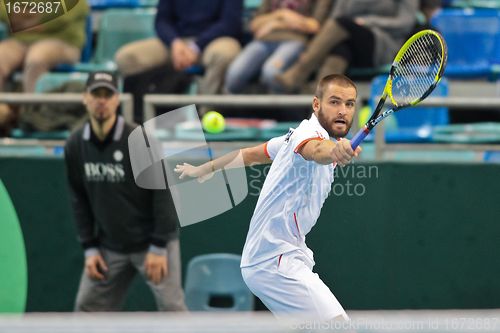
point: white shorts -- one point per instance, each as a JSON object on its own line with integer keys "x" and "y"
{"x": 287, "y": 285}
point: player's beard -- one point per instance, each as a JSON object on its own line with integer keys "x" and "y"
{"x": 327, "y": 125}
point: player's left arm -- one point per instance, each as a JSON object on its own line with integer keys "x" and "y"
{"x": 238, "y": 158}
{"x": 327, "y": 151}
{"x": 256, "y": 155}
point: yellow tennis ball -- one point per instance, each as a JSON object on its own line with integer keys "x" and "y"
{"x": 213, "y": 122}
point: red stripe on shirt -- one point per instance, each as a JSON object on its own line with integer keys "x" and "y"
{"x": 296, "y": 223}
{"x": 265, "y": 150}
{"x": 306, "y": 141}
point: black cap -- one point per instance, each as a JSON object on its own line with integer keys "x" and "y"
{"x": 102, "y": 79}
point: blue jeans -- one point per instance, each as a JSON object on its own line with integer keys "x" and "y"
{"x": 261, "y": 59}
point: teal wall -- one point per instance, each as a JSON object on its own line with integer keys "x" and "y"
{"x": 420, "y": 236}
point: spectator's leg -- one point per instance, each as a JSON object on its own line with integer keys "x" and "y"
{"x": 216, "y": 59}
{"x": 6, "y": 115}
{"x": 168, "y": 293}
{"x": 44, "y": 55}
{"x": 339, "y": 60}
{"x": 359, "y": 50}
{"x": 247, "y": 66}
{"x": 137, "y": 57}
{"x": 330, "y": 35}
{"x": 12, "y": 56}
{"x": 430, "y": 7}
{"x": 285, "y": 55}
{"x": 334, "y": 64}
{"x": 107, "y": 295}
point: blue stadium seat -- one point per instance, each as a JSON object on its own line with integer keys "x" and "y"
{"x": 3, "y": 31}
{"x": 86, "y": 50}
{"x": 88, "y": 47}
{"x": 106, "y": 4}
{"x": 119, "y": 27}
{"x": 486, "y": 133}
{"x": 18, "y": 133}
{"x": 358, "y": 72}
{"x": 413, "y": 124}
{"x": 473, "y": 37}
{"x": 214, "y": 283}
{"x": 472, "y": 3}
{"x": 252, "y": 4}
{"x": 492, "y": 156}
{"x": 50, "y": 81}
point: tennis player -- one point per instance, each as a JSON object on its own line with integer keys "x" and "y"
{"x": 276, "y": 262}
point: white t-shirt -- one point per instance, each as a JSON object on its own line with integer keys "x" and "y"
{"x": 291, "y": 198}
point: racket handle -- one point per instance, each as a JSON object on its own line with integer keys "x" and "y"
{"x": 359, "y": 137}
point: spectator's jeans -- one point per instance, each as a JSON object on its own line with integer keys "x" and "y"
{"x": 265, "y": 59}
{"x": 139, "y": 56}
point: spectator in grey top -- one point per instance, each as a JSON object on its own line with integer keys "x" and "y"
{"x": 359, "y": 33}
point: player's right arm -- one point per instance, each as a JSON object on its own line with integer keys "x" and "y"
{"x": 327, "y": 151}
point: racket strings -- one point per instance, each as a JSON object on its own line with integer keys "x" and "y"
{"x": 417, "y": 70}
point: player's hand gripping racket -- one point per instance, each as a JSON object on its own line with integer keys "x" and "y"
{"x": 415, "y": 72}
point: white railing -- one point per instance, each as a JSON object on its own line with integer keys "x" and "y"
{"x": 273, "y": 101}
{"x": 287, "y": 101}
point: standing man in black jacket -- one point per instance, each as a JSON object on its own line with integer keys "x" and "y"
{"x": 123, "y": 229}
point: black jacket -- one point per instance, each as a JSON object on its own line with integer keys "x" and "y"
{"x": 110, "y": 209}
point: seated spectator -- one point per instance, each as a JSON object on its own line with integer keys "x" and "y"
{"x": 429, "y": 8}
{"x": 38, "y": 43}
{"x": 360, "y": 33}
{"x": 189, "y": 33}
{"x": 281, "y": 29}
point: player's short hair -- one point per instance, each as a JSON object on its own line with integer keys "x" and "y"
{"x": 339, "y": 79}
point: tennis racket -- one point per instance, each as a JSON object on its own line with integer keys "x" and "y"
{"x": 415, "y": 72}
